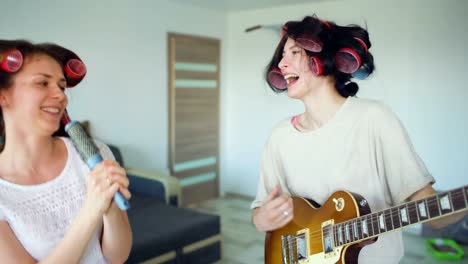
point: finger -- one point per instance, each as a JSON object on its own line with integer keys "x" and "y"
{"x": 273, "y": 194}
{"x": 277, "y": 202}
{"x": 113, "y": 167}
{"x": 99, "y": 168}
{"x": 120, "y": 179}
{"x": 125, "y": 192}
{"x": 283, "y": 217}
{"x": 112, "y": 190}
{"x": 280, "y": 212}
{"x": 109, "y": 162}
{"x": 285, "y": 220}
{"x": 97, "y": 180}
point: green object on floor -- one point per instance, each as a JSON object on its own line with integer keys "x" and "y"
{"x": 444, "y": 249}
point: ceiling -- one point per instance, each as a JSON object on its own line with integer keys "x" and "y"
{"x": 240, "y": 5}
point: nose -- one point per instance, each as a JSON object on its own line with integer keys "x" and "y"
{"x": 58, "y": 92}
{"x": 283, "y": 63}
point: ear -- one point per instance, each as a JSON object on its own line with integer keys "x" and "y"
{"x": 3, "y": 98}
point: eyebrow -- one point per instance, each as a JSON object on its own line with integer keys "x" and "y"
{"x": 292, "y": 47}
{"x": 50, "y": 76}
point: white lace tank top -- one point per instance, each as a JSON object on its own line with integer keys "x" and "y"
{"x": 40, "y": 215}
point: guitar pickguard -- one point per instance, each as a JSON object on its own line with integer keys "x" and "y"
{"x": 323, "y": 259}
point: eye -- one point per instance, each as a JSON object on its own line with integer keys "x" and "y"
{"x": 294, "y": 52}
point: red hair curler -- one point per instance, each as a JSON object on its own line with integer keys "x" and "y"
{"x": 276, "y": 79}
{"x": 325, "y": 23}
{"x": 75, "y": 70}
{"x": 283, "y": 30}
{"x": 348, "y": 60}
{"x": 363, "y": 44}
{"x": 11, "y": 60}
{"x": 309, "y": 42}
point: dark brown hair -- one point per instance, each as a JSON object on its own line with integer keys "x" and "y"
{"x": 28, "y": 49}
{"x": 333, "y": 37}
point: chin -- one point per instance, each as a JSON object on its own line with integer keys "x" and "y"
{"x": 51, "y": 130}
{"x": 293, "y": 94}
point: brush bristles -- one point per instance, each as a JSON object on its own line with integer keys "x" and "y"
{"x": 83, "y": 143}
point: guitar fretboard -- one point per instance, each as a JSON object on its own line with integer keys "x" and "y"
{"x": 397, "y": 217}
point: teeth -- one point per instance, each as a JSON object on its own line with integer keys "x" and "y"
{"x": 51, "y": 110}
{"x": 287, "y": 76}
{"x": 290, "y": 77}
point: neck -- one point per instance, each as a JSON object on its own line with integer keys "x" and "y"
{"x": 26, "y": 155}
{"x": 320, "y": 106}
{"x": 397, "y": 217}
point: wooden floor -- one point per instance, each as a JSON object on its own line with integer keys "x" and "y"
{"x": 243, "y": 244}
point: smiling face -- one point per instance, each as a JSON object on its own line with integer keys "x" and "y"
{"x": 36, "y": 100}
{"x": 295, "y": 68}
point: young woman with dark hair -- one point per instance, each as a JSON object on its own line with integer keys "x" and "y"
{"x": 340, "y": 142}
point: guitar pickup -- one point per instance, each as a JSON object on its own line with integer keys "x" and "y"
{"x": 328, "y": 239}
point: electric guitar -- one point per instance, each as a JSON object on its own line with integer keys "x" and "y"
{"x": 336, "y": 232}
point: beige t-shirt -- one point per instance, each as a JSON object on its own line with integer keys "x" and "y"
{"x": 363, "y": 149}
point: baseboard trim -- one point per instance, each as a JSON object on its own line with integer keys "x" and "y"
{"x": 162, "y": 258}
{"x": 238, "y": 196}
{"x": 201, "y": 244}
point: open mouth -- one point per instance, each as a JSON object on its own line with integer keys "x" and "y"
{"x": 291, "y": 78}
{"x": 51, "y": 110}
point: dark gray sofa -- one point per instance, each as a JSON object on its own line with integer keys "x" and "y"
{"x": 162, "y": 231}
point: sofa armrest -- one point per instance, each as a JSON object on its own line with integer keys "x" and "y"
{"x": 155, "y": 184}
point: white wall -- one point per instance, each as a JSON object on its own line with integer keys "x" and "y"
{"x": 418, "y": 46}
{"x": 124, "y": 45}
{"x": 420, "y": 51}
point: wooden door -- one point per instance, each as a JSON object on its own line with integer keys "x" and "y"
{"x": 194, "y": 115}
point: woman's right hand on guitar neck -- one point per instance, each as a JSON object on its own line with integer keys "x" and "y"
{"x": 277, "y": 210}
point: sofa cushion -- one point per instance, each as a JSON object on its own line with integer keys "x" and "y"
{"x": 159, "y": 228}
{"x": 146, "y": 188}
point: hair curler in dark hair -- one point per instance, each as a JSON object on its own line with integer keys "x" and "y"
{"x": 75, "y": 70}
{"x": 276, "y": 79}
{"x": 11, "y": 60}
{"x": 348, "y": 59}
{"x": 309, "y": 42}
{"x": 73, "y": 67}
{"x": 366, "y": 68}
{"x": 341, "y": 52}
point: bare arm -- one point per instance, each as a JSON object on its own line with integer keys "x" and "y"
{"x": 11, "y": 250}
{"x": 441, "y": 222}
{"x": 117, "y": 235}
{"x": 69, "y": 250}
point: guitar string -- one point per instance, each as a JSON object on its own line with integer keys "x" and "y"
{"x": 372, "y": 218}
{"x": 370, "y": 221}
{"x": 345, "y": 240}
{"x": 413, "y": 208}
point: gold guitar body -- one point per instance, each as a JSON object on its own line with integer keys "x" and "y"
{"x": 306, "y": 228}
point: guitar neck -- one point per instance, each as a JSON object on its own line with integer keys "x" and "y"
{"x": 419, "y": 211}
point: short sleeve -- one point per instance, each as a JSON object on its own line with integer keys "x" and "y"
{"x": 399, "y": 165}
